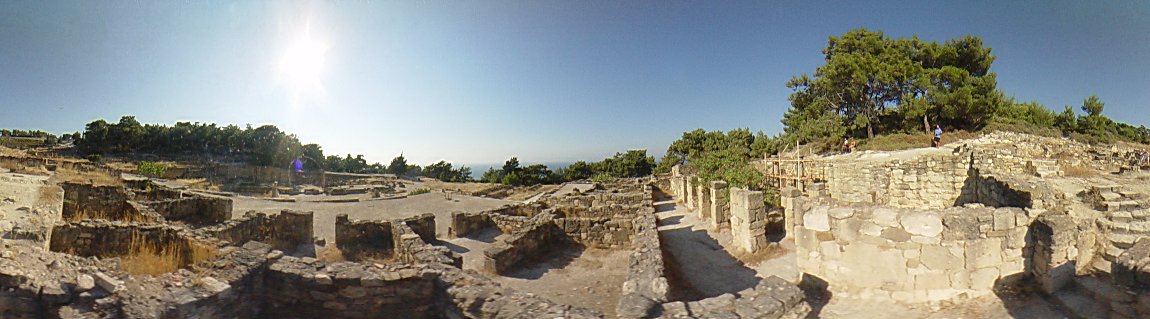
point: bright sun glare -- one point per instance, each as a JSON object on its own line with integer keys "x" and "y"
{"x": 301, "y": 64}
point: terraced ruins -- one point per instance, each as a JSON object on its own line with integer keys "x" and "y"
{"x": 1003, "y": 225}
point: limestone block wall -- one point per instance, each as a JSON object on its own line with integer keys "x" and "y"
{"x": 772, "y": 298}
{"x": 1132, "y": 268}
{"x": 909, "y": 254}
{"x": 720, "y": 209}
{"x": 363, "y": 238}
{"x": 423, "y": 225}
{"x": 934, "y": 181}
{"x": 294, "y": 289}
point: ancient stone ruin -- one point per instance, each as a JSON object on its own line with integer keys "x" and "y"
{"x": 1002, "y": 213}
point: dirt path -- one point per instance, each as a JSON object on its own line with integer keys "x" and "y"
{"x": 702, "y": 262}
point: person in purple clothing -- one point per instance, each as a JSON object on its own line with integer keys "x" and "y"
{"x": 297, "y": 165}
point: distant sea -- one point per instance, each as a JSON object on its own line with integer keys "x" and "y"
{"x": 478, "y": 169}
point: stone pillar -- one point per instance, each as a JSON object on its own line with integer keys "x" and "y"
{"x": 720, "y": 208}
{"x": 1052, "y": 257}
{"x": 689, "y": 188}
{"x": 791, "y": 201}
{"x": 748, "y": 220}
{"x": 675, "y": 180}
{"x": 703, "y": 189}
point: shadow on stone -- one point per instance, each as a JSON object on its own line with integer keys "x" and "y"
{"x": 556, "y": 259}
{"x": 816, "y": 293}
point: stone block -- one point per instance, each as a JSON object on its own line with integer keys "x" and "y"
{"x": 940, "y": 258}
{"x": 984, "y": 253}
{"x": 927, "y": 224}
{"x": 983, "y": 278}
{"x": 931, "y": 280}
{"x": 817, "y": 219}
{"x": 841, "y": 212}
{"x": 884, "y": 216}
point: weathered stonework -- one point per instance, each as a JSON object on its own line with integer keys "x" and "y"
{"x": 772, "y": 298}
{"x": 748, "y": 220}
{"x": 720, "y": 208}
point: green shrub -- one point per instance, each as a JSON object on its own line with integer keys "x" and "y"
{"x": 602, "y": 178}
{"x": 418, "y": 191}
{"x": 152, "y": 169}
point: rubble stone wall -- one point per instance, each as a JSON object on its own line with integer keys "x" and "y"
{"x": 463, "y": 224}
{"x": 772, "y": 298}
{"x": 411, "y": 248}
{"x": 295, "y": 289}
{"x": 909, "y": 254}
{"x": 532, "y": 242}
{"x": 195, "y": 210}
{"x": 363, "y": 238}
{"x": 612, "y": 232}
{"x": 646, "y": 285}
{"x": 286, "y": 231}
{"x": 111, "y": 201}
{"x": 106, "y": 239}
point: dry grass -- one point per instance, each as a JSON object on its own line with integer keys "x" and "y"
{"x": 147, "y": 258}
{"x": 94, "y": 178}
{"x": 770, "y": 252}
{"x": 1078, "y": 171}
{"x": 104, "y": 215}
{"x": 330, "y": 253}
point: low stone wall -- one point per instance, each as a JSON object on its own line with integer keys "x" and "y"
{"x": 287, "y": 231}
{"x": 463, "y": 224}
{"x": 532, "y": 242}
{"x": 422, "y": 225}
{"x": 295, "y": 289}
{"x": 91, "y": 200}
{"x": 106, "y": 239}
{"x": 1132, "y": 269}
{"x": 772, "y": 298}
{"x": 467, "y": 294}
{"x": 363, "y": 238}
{"x": 411, "y": 248}
{"x": 911, "y": 255}
{"x": 196, "y": 210}
{"x": 613, "y": 232}
{"x": 646, "y": 285}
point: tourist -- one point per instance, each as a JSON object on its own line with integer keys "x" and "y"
{"x": 937, "y": 136}
{"x": 847, "y": 145}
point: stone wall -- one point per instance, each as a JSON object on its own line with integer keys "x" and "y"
{"x": 295, "y": 289}
{"x": 703, "y": 190}
{"x": 772, "y": 298}
{"x": 363, "y": 238}
{"x": 748, "y": 220}
{"x": 92, "y": 200}
{"x": 611, "y": 232}
{"x": 196, "y": 210}
{"x": 532, "y": 242}
{"x": 911, "y": 255}
{"x": 463, "y": 224}
{"x": 289, "y": 231}
{"x": 106, "y": 239}
{"x": 411, "y": 248}
{"x": 1054, "y": 254}
{"x": 646, "y": 285}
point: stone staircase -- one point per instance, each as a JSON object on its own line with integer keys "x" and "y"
{"x": 1044, "y": 168}
{"x": 1124, "y": 293}
{"x": 1126, "y": 217}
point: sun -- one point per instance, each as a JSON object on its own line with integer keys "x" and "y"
{"x": 301, "y": 64}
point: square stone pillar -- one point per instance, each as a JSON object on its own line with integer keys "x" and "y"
{"x": 1051, "y": 259}
{"x": 748, "y": 220}
{"x": 720, "y": 205}
{"x": 704, "y": 201}
{"x": 689, "y": 188}
{"x": 790, "y": 199}
{"x": 674, "y": 191}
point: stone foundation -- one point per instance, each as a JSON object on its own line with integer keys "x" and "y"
{"x": 911, "y": 255}
{"x": 748, "y": 220}
{"x": 289, "y": 231}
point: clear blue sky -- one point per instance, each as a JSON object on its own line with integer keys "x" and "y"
{"x": 480, "y": 81}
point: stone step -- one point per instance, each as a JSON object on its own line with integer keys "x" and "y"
{"x": 1101, "y": 265}
{"x": 1102, "y": 290}
{"x": 1079, "y": 304}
